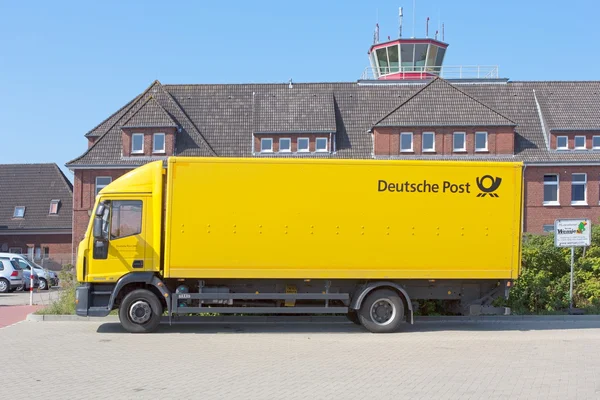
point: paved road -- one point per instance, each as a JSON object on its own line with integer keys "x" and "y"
{"x": 516, "y": 360}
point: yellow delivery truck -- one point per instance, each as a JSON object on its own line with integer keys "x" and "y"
{"x": 365, "y": 238}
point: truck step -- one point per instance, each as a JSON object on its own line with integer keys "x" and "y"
{"x": 262, "y": 310}
{"x": 102, "y": 293}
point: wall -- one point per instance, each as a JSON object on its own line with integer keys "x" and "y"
{"x": 387, "y": 140}
{"x": 148, "y": 135}
{"x": 59, "y": 246}
{"x": 537, "y": 215}
{"x": 294, "y": 137}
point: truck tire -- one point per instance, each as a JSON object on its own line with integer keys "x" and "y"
{"x": 382, "y": 311}
{"x": 140, "y": 311}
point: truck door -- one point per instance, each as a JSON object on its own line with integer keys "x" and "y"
{"x": 124, "y": 246}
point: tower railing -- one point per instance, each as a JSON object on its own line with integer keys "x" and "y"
{"x": 424, "y": 72}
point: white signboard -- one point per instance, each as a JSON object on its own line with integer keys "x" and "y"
{"x": 572, "y": 232}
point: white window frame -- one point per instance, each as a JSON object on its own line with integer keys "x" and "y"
{"x": 464, "y": 148}
{"x": 164, "y": 149}
{"x": 298, "y": 145}
{"x": 483, "y": 149}
{"x": 270, "y": 149}
{"x": 584, "y": 183}
{"x": 53, "y": 202}
{"x": 596, "y": 138}
{"x": 557, "y": 184}
{"x": 412, "y": 144}
{"x": 15, "y": 212}
{"x": 98, "y": 187}
{"x": 133, "y": 151}
{"x": 289, "y": 150}
{"x": 584, "y": 147}
{"x": 562, "y": 148}
{"x": 423, "y": 149}
{"x": 326, "y": 145}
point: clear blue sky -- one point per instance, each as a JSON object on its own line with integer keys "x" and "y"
{"x": 67, "y": 65}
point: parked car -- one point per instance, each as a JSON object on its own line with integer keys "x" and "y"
{"x": 11, "y": 275}
{"x": 26, "y": 264}
{"x": 54, "y": 281}
{"x": 27, "y": 281}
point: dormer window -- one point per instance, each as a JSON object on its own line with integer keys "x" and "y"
{"x": 137, "y": 143}
{"x": 266, "y": 145}
{"x": 158, "y": 143}
{"x": 562, "y": 143}
{"x": 303, "y": 144}
{"x": 580, "y": 143}
{"x": 321, "y": 145}
{"x": 19, "y": 212}
{"x": 54, "y": 207}
{"x": 596, "y": 143}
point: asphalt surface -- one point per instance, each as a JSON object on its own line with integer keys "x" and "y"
{"x": 430, "y": 360}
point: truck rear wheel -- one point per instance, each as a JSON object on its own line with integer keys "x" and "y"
{"x": 140, "y": 311}
{"x": 382, "y": 311}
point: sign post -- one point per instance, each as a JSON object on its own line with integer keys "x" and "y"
{"x": 572, "y": 233}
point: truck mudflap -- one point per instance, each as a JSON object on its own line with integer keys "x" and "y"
{"x": 363, "y": 291}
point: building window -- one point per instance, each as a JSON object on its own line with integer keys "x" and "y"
{"x": 285, "y": 145}
{"x": 406, "y": 141}
{"x": 303, "y": 145}
{"x": 481, "y": 141}
{"x": 596, "y": 143}
{"x": 458, "y": 141}
{"x": 15, "y": 250}
{"x": 266, "y": 145}
{"x": 158, "y": 143}
{"x": 428, "y": 142}
{"x": 38, "y": 253}
{"x": 19, "y": 212}
{"x": 551, "y": 190}
{"x": 562, "y": 143}
{"x": 137, "y": 143}
{"x": 580, "y": 143}
{"x": 548, "y": 228}
{"x": 102, "y": 182}
{"x": 578, "y": 189}
{"x": 54, "y": 206}
{"x": 321, "y": 145}
{"x": 46, "y": 253}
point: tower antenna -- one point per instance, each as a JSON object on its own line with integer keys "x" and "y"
{"x": 427, "y": 28}
{"x": 442, "y": 32}
{"x": 400, "y": 23}
{"x": 376, "y": 34}
{"x": 413, "y": 10}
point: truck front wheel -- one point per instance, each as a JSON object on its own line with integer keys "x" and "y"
{"x": 382, "y": 311}
{"x": 140, "y": 311}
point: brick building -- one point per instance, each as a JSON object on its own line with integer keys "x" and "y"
{"x": 402, "y": 112}
{"x": 35, "y": 213}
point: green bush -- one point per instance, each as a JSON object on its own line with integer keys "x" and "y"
{"x": 65, "y": 304}
{"x": 543, "y": 286}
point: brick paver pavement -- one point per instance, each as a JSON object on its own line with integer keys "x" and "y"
{"x": 491, "y": 360}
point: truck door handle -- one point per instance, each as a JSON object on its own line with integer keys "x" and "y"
{"x": 138, "y": 264}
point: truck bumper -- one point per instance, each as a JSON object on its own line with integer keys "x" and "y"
{"x": 82, "y": 300}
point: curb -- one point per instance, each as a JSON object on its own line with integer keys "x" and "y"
{"x": 325, "y": 319}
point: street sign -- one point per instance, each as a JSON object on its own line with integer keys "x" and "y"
{"x": 572, "y": 232}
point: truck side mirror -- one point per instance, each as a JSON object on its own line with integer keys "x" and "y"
{"x": 98, "y": 227}
{"x": 100, "y": 209}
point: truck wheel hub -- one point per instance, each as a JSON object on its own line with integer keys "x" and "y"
{"x": 140, "y": 312}
{"x": 383, "y": 312}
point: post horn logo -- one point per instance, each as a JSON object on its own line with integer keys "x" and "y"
{"x": 488, "y": 189}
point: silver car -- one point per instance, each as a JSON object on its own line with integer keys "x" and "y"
{"x": 11, "y": 275}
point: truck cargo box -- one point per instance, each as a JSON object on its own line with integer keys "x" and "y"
{"x": 337, "y": 219}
